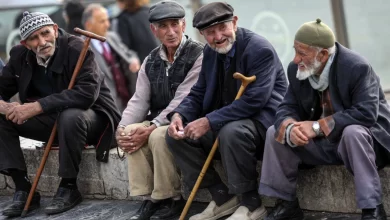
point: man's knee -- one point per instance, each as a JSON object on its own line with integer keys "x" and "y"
{"x": 71, "y": 118}
{"x": 231, "y": 131}
{"x": 157, "y": 139}
{"x": 355, "y": 132}
{"x": 270, "y": 133}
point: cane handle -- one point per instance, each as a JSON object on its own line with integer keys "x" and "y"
{"x": 89, "y": 34}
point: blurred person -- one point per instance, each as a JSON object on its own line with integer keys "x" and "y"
{"x": 165, "y": 78}
{"x": 119, "y": 64}
{"x": 334, "y": 113}
{"x": 40, "y": 70}
{"x": 133, "y": 27}
{"x": 210, "y": 111}
{"x": 72, "y": 13}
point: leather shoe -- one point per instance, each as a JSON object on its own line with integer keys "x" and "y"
{"x": 378, "y": 213}
{"x": 64, "y": 200}
{"x": 286, "y": 210}
{"x": 18, "y": 202}
{"x": 147, "y": 209}
{"x": 171, "y": 209}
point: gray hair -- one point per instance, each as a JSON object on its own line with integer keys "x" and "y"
{"x": 88, "y": 11}
{"x": 182, "y": 20}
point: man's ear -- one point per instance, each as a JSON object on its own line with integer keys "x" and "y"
{"x": 55, "y": 27}
{"x": 23, "y": 42}
{"x": 324, "y": 56}
{"x": 235, "y": 19}
{"x": 154, "y": 30}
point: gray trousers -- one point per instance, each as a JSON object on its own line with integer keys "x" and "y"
{"x": 238, "y": 143}
{"x": 354, "y": 150}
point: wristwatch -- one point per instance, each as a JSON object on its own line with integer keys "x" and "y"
{"x": 316, "y": 128}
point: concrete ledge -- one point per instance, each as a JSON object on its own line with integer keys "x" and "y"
{"x": 324, "y": 188}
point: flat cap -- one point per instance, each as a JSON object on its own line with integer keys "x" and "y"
{"x": 212, "y": 14}
{"x": 316, "y": 33}
{"x": 166, "y": 9}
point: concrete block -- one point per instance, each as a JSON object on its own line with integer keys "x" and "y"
{"x": 115, "y": 177}
{"x": 3, "y": 185}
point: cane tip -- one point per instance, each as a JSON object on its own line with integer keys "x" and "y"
{"x": 24, "y": 213}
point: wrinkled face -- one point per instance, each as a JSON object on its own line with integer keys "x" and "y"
{"x": 99, "y": 22}
{"x": 42, "y": 42}
{"x": 221, "y": 37}
{"x": 308, "y": 60}
{"x": 169, "y": 32}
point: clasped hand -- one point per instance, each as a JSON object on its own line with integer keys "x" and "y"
{"x": 302, "y": 132}
{"x": 132, "y": 141}
{"x": 18, "y": 113}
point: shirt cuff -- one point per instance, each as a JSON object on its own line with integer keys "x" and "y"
{"x": 155, "y": 122}
{"x": 288, "y": 130}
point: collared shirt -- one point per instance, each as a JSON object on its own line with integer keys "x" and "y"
{"x": 139, "y": 105}
{"x": 164, "y": 56}
{"x": 98, "y": 45}
{"x": 42, "y": 62}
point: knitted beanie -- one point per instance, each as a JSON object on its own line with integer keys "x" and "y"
{"x": 32, "y": 22}
{"x": 315, "y": 33}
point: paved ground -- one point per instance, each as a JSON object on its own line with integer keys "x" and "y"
{"x": 121, "y": 210}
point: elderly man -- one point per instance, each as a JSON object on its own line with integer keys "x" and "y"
{"x": 117, "y": 62}
{"x": 165, "y": 78}
{"x": 334, "y": 112}
{"x": 40, "y": 70}
{"x": 210, "y": 110}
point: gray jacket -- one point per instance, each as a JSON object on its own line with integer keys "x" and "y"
{"x": 126, "y": 57}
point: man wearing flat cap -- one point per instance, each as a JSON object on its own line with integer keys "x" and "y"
{"x": 40, "y": 70}
{"x": 334, "y": 112}
{"x": 210, "y": 111}
{"x": 165, "y": 78}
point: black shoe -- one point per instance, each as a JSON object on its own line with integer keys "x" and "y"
{"x": 171, "y": 209}
{"x": 286, "y": 210}
{"x": 64, "y": 200}
{"x": 17, "y": 205}
{"x": 147, "y": 209}
{"x": 378, "y": 213}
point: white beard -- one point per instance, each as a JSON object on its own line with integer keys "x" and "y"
{"x": 225, "y": 50}
{"x": 309, "y": 71}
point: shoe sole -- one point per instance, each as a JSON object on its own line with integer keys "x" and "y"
{"x": 78, "y": 201}
{"x": 224, "y": 213}
{"x": 16, "y": 214}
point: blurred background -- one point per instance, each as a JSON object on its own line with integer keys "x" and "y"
{"x": 362, "y": 25}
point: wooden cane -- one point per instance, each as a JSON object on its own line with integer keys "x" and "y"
{"x": 76, "y": 70}
{"x": 245, "y": 81}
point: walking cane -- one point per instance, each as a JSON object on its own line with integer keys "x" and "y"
{"x": 79, "y": 63}
{"x": 245, "y": 81}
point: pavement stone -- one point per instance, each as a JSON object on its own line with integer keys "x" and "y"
{"x": 123, "y": 209}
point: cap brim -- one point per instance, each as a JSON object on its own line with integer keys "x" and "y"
{"x": 215, "y": 23}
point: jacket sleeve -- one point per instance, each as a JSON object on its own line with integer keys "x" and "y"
{"x": 8, "y": 77}
{"x": 86, "y": 89}
{"x": 364, "y": 91}
{"x": 261, "y": 63}
{"x": 191, "y": 106}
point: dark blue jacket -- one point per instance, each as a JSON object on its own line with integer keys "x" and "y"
{"x": 355, "y": 93}
{"x": 254, "y": 56}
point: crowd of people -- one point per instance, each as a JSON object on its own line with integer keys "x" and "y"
{"x": 163, "y": 99}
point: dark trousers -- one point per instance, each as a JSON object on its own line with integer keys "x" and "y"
{"x": 76, "y": 128}
{"x": 239, "y": 143}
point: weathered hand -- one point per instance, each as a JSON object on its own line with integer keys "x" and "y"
{"x": 135, "y": 139}
{"x": 306, "y": 127}
{"x": 175, "y": 129}
{"x": 197, "y": 128}
{"x": 6, "y": 107}
{"x": 297, "y": 137}
{"x": 122, "y": 139}
{"x": 18, "y": 114}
